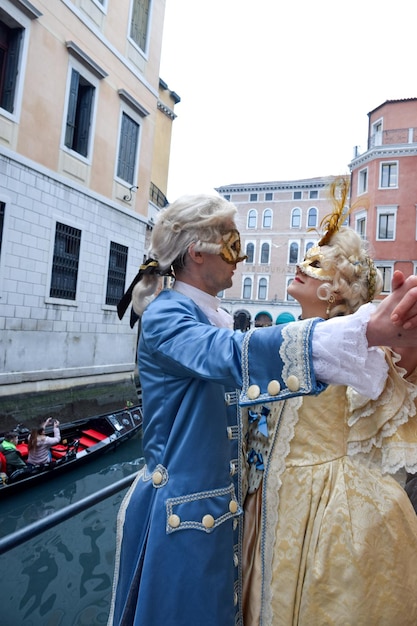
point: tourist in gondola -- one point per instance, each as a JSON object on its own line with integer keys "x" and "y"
{"x": 178, "y": 557}
{"x": 40, "y": 444}
{"x": 330, "y": 536}
{"x": 14, "y": 460}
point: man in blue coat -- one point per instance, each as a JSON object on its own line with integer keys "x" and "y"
{"x": 180, "y": 525}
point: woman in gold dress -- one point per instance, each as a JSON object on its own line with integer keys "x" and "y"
{"x": 330, "y": 535}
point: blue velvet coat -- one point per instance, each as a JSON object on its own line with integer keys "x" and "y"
{"x": 180, "y": 525}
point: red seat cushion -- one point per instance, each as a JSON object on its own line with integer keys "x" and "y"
{"x": 94, "y": 434}
{"x": 59, "y": 451}
{"x": 3, "y": 463}
{"x": 23, "y": 449}
{"x": 86, "y": 442}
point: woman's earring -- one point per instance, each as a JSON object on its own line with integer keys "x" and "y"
{"x": 330, "y": 301}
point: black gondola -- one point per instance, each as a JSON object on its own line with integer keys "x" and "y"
{"x": 81, "y": 441}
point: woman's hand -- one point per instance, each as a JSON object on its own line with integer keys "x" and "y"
{"x": 394, "y": 322}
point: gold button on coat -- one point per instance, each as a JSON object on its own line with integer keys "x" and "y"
{"x": 274, "y": 388}
{"x": 233, "y": 506}
{"x": 293, "y": 383}
{"x": 208, "y": 521}
{"x": 157, "y": 477}
{"x": 253, "y": 392}
{"x": 174, "y": 520}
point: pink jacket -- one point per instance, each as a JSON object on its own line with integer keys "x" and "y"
{"x": 42, "y": 454}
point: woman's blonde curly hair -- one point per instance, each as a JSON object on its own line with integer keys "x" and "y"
{"x": 356, "y": 279}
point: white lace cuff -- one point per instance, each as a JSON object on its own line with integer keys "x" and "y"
{"x": 341, "y": 355}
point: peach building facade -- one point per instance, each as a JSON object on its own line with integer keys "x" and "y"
{"x": 85, "y": 131}
{"x": 384, "y": 188}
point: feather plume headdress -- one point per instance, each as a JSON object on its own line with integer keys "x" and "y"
{"x": 331, "y": 224}
{"x": 339, "y": 195}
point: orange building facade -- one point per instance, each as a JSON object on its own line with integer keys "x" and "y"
{"x": 384, "y": 188}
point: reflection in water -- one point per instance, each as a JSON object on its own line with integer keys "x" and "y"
{"x": 91, "y": 581}
{"x": 42, "y": 570}
{"x": 63, "y": 577}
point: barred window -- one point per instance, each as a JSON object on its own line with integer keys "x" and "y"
{"x": 116, "y": 274}
{"x": 65, "y": 262}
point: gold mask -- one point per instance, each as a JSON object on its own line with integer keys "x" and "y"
{"x": 231, "y": 248}
{"x": 312, "y": 265}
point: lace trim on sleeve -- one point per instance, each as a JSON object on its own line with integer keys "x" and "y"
{"x": 342, "y": 357}
{"x": 388, "y": 423}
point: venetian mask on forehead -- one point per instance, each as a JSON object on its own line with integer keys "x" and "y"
{"x": 231, "y": 247}
{"x": 312, "y": 265}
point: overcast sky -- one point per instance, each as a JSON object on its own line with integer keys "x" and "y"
{"x": 279, "y": 89}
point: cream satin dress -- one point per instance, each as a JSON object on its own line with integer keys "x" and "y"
{"x": 330, "y": 536}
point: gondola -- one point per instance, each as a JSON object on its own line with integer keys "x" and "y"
{"x": 81, "y": 440}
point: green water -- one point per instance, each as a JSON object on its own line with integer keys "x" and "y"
{"x": 63, "y": 577}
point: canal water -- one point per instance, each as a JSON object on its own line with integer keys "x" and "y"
{"x": 63, "y": 577}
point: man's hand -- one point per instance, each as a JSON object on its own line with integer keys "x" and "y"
{"x": 394, "y": 323}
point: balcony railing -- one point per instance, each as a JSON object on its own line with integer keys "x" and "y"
{"x": 157, "y": 197}
{"x": 391, "y": 137}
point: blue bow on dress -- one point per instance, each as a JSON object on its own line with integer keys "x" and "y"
{"x": 262, "y": 417}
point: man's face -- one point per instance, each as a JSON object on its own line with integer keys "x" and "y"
{"x": 216, "y": 273}
{"x": 218, "y": 269}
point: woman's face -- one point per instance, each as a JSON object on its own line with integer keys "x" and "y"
{"x": 304, "y": 289}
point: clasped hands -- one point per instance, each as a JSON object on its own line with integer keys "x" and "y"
{"x": 394, "y": 322}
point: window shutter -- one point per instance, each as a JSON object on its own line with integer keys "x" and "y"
{"x": 72, "y": 109}
{"x": 7, "y": 99}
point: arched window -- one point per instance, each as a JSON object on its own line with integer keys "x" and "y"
{"x": 252, "y": 216}
{"x": 250, "y": 251}
{"x": 265, "y": 253}
{"x": 309, "y": 245}
{"x": 262, "y": 288}
{"x": 296, "y": 218}
{"x": 247, "y": 288}
{"x": 293, "y": 252}
{"x": 267, "y": 219}
{"x": 288, "y": 297}
{"x": 312, "y": 217}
